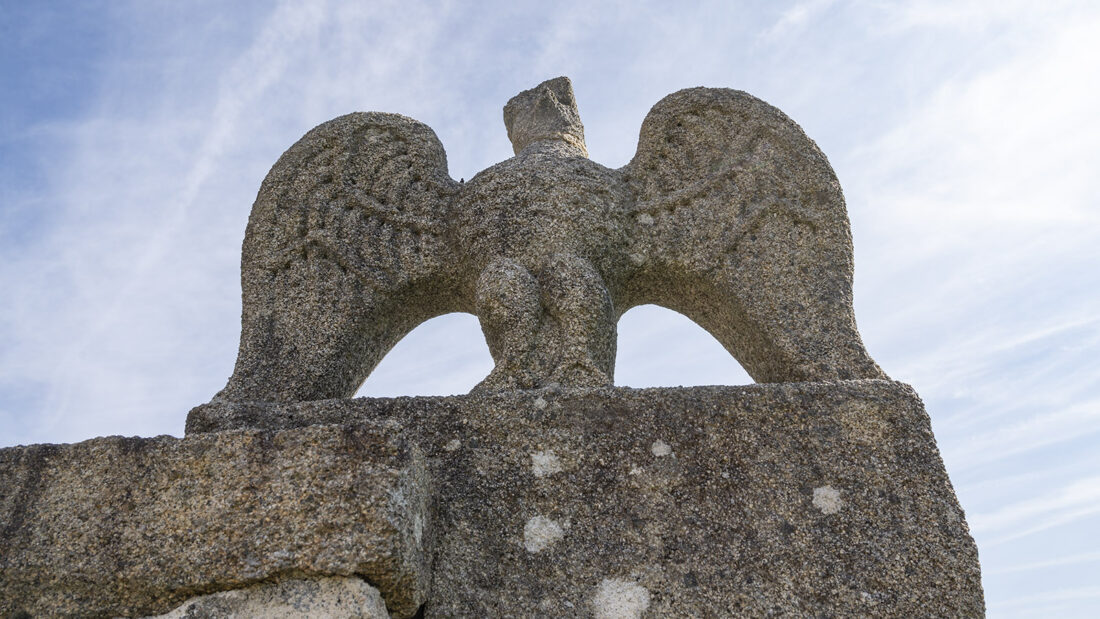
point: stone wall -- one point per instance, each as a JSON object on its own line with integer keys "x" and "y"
{"x": 792, "y": 499}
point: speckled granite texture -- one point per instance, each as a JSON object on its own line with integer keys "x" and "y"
{"x": 130, "y": 526}
{"x": 798, "y": 499}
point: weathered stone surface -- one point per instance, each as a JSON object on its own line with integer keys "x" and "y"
{"x": 322, "y": 598}
{"x": 128, "y": 526}
{"x": 728, "y": 214}
{"x": 800, "y": 499}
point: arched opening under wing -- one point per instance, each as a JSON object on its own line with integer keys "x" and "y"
{"x": 446, "y": 355}
{"x": 659, "y": 347}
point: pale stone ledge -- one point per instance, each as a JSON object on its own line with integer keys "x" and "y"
{"x": 322, "y": 598}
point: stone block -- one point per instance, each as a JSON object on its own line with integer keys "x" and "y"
{"x": 129, "y": 526}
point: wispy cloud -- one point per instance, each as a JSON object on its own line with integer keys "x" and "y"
{"x": 1077, "y": 559}
{"x": 982, "y": 201}
{"x": 976, "y": 15}
{"x": 1078, "y": 499}
{"x": 975, "y": 225}
{"x": 1058, "y": 602}
{"x": 796, "y": 18}
{"x": 240, "y": 89}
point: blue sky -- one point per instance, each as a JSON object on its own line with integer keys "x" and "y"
{"x": 133, "y": 138}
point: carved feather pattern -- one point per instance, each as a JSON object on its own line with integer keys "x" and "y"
{"x": 712, "y": 164}
{"x": 369, "y": 192}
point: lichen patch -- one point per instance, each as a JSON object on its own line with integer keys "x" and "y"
{"x": 827, "y": 499}
{"x": 418, "y": 529}
{"x": 620, "y": 599}
{"x": 660, "y": 448}
{"x": 541, "y": 533}
{"x": 545, "y": 463}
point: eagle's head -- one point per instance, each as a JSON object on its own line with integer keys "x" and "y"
{"x": 547, "y": 112}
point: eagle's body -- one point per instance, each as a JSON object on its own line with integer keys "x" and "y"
{"x": 538, "y": 204}
{"x": 538, "y": 228}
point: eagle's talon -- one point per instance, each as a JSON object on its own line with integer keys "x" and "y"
{"x": 580, "y": 373}
{"x": 505, "y": 378}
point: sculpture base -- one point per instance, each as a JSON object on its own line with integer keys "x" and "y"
{"x": 792, "y": 499}
{"x": 805, "y": 498}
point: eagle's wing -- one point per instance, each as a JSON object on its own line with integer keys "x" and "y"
{"x": 344, "y": 254}
{"x": 739, "y": 223}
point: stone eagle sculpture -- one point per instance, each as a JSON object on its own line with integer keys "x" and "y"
{"x": 728, "y": 214}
